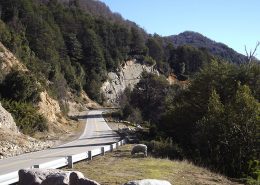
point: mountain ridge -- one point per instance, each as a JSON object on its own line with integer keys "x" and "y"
{"x": 198, "y": 40}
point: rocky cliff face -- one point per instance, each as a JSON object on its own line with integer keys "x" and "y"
{"x": 128, "y": 75}
{"x": 48, "y": 107}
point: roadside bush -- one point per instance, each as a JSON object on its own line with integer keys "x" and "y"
{"x": 165, "y": 148}
{"x": 26, "y": 117}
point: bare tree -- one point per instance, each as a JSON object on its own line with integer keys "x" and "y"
{"x": 250, "y": 55}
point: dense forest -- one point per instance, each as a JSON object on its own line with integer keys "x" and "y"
{"x": 197, "y": 40}
{"x": 72, "y": 44}
{"x": 214, "y": 121}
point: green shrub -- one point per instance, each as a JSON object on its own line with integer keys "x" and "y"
{"x": 26, "y": 117}
{"x": 164, "y": 148}
{"x": 2, "y": 50}
{"x": 253, "y": 172}
{"x": 20, "y": 86}
{"x": 149, "y": 61}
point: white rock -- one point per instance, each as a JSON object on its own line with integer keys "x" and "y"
{"x": 148, "y": 182}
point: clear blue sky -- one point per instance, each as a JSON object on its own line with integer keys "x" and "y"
{"x": 233, "y": 22}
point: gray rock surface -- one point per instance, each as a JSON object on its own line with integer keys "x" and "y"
{"x": 128, "y": 75}
{"x": 7, "y": 121}
{"x": 57, "y": 179}
{"x": 78, "y": 179}
{"x": 52, "y": 177}
{"x": 148, "y": 182}
{"x": 38, "y": 176}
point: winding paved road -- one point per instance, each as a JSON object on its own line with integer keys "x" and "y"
{"x": 96, "y": 134}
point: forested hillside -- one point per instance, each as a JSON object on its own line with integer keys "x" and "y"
{"x": 214, "y": 121}
{"x": 197, "y": 40}
{"x": 64, "y": 45}
{"x": 210, "y": 117}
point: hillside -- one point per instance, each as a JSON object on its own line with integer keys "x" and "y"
{"x": 61, "y": 56}
{"x": 123, "y": 168}
{"x": 198, "y": 40}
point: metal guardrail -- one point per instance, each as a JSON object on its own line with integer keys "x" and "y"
{"x": 12, "y": 177}
{"x": 9, "y": 178}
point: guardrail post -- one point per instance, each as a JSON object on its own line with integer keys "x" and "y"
{"x": 90, "y": 155}
{"x": 36, "y": 166}
{"x": 102, "y": 150}
{"x": 117, "y": 145}
{"x": 111, "y": 148}
{"x": 70, "y": 162}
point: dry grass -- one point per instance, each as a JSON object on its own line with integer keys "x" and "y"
{"x": 119, "y": 167}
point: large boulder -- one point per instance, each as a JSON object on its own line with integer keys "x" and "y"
{"x": 30, "y": 177}
{"x": 52, "y": 177}
{"x": 148, "y": 182}
{"x": 78, "y": 179}
{"x": 56, "y": 179}
{"x": 44, "y": 176}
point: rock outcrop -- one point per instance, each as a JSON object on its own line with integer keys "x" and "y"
{"x": 148, "y": 182}
{"x": 78, "y": 179}
{"x": 128, "y": 75}
{"x": 9, "y": 61}
{"x": 48, "y": 107}
{"x": 7, "y": 121}
{"x": 52, "y": 177}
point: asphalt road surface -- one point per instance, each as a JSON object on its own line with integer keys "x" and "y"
{"x": 96, "y": 134}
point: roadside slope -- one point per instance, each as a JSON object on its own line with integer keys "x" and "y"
{"x": 122, "y": 167}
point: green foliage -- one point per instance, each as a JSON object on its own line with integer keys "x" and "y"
{"x": 56, "y": 39}
{"x": 187, "y": 59}
{"x": 216, "y": 120}
{"x": 155, "y": 49}
{"x": 165, "y": 148}
{"x": 137, "y": 43}
{"x": 26, "y": 117}
{"x": 149, "y": 61}
{"x": 253, "y": 177}
{"x": 150, "y": 91}
{"x": 20, "y": 86}
{"x": 5, "y": 35}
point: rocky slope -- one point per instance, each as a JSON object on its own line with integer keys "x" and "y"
{"x": 8, "y": 62}
{"x": 128, "y": 75}
{"x": 12, "y": 142}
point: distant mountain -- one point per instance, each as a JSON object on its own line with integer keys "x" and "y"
{"x": 198, "y": 40}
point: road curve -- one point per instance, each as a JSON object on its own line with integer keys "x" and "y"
{"x": 96, "y": 134}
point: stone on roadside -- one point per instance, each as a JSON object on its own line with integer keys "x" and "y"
{"x": 148, "y": 182}
{"x": 77, "y": 178}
